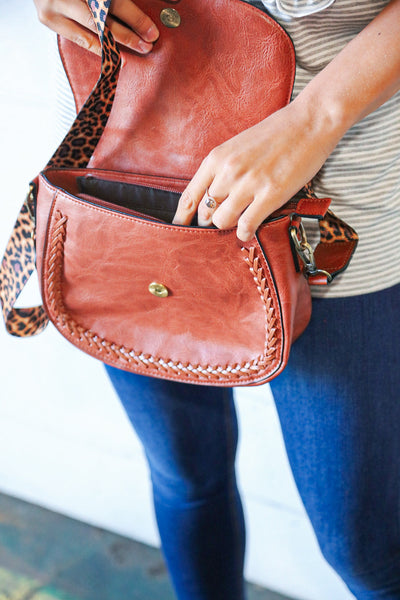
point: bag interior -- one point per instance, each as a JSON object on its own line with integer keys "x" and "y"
{"x": 153, "y": 202}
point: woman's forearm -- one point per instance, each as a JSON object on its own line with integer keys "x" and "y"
{"x": 360, "y": 78}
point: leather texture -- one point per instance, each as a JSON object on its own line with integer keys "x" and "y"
{"x": 227, "y": 67}
{"x": 232, "y": 310}
{"x": 222, "y": 322}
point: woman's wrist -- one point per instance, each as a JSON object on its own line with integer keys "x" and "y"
{"x": 325, "y": 120}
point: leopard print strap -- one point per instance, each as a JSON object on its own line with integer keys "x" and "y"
{"x": 332, "y": 230}
{"x": 75, "y": 150}
{"x": 16, "y": 268}
{"x": 80, "y": 142}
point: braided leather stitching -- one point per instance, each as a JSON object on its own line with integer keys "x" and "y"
{"x": 121, "y": 354}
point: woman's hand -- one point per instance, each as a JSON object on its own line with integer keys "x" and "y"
{"x": 72, "y": 19}
{"x": 259, "y": 170}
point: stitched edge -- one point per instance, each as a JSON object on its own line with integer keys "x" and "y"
{"x": 130, "y": 356}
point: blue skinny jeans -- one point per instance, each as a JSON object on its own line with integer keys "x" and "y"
{"x": 339, "y": 406}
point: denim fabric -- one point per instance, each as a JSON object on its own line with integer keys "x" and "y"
{"x": 343, "y": 386}
{"x": 339, "y": 406}
{"x": 189, "y": 434}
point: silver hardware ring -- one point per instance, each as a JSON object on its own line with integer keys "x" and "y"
{"x": 306, "y": 253}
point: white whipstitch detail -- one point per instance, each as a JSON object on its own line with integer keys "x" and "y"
{"x": 256, "y": 270}
{"x": 125, "y": 355}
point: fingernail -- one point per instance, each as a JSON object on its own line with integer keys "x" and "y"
{"x": 144, "y": 47}
{"x": 151, "y": 34}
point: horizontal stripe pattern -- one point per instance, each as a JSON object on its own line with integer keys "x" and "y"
{"x": 362, "y": 175}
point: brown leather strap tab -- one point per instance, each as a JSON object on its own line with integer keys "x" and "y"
{"x": 338, "y": 241}
{"x": 331, "y": 259}
{"x": 332, "y": 231}
{"x": 337, "y": 246}
{"x": 312, "y": 207}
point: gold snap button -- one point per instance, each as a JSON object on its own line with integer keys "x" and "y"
{"x": 170, "y": 17}
{"x": 158, "y": 289}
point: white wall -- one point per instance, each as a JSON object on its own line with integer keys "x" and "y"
{"x": 65, "y": 442}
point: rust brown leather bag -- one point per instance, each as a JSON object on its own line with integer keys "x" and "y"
{"x": 117, "y": 278}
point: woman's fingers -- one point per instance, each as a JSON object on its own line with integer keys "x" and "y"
{"x": 135, "y": 19}
{"x": 133, "y": 29}
{"x": 218, "y": 174}
{"x": 72, "y": 19}
{"x": 224, "y": 194}
{"x": 226, "y": 210}
{"x": 258, "y": 210}
{"x": 192, "y": 195}
{"x": 244, "y": 205}
{"x": 73, "y": 31}
{"x": 126, "y": 37}
{"x": 210, "y": 202}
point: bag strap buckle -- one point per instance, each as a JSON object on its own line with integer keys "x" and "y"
{"x": 306, "y": 253}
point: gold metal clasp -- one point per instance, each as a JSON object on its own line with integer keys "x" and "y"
{"x": 158, "y": 289}
{"x": 170, "y": 17}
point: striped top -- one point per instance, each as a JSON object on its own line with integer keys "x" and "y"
{"x": 362, "y": 175}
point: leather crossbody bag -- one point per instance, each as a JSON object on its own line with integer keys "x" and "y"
{"x": 117, "y": 278}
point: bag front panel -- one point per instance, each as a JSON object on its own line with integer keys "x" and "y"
{"x": 221, "y": 310}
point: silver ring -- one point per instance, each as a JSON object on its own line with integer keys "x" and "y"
{"x": 210, "y": 201}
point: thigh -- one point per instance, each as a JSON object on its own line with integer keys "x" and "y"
{"x": 339, "y": 407}
{"x": 189, "y": 432}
